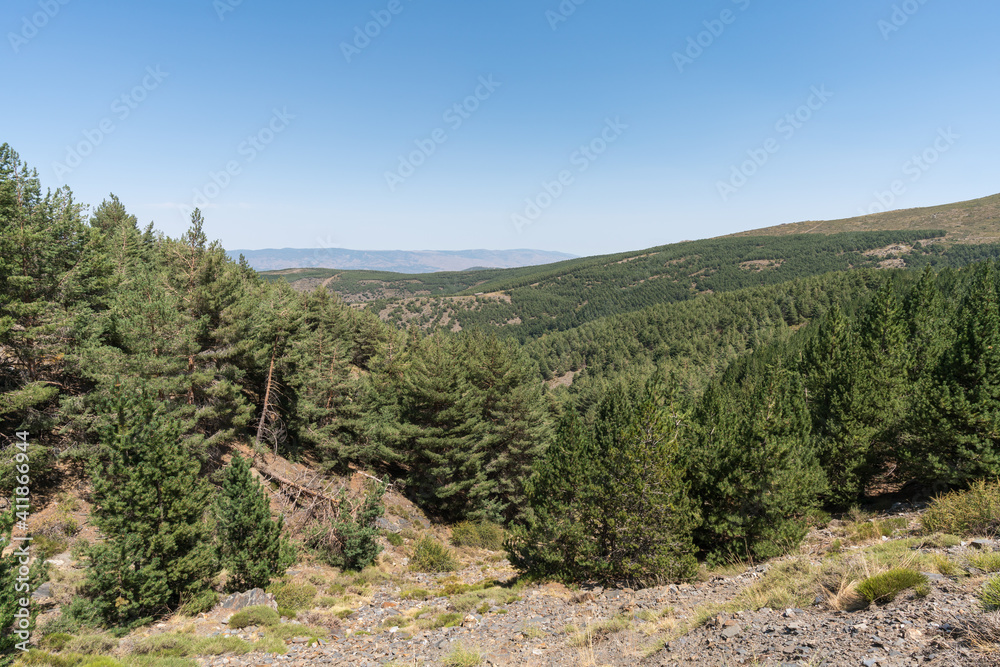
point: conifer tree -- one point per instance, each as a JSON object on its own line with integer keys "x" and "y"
{"x": 754, "y": 470}
{"x": 512, "y": 430}
{"x": 10, "y": 598}
{"x": 612, "y": 503}
{"x": 149, "y": 504}
{"x": 438, "y": 416}
{"x": 250, "y": 544}
{"x": 319, "y": 378}
{"x": 550, "y": 538}
{"x": 959, "y": 422}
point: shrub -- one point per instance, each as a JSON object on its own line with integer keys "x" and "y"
{"x": 55, "y": 641}
{"x": 461, "y": 656}
{"x": 395, "y": 539}
{"x": 988, "y": 561}
{"x": 886, "y": 586}
{"x": 350, "y": 541}
{"x": 200, "y": 603}
{"x": 254, "y": 616}
{"x": 415, "y": 594}
{"x": 76, "y": 615}
{"x": 483, "y": 535}
{"x": 431, "y": 556}
{"x": 989, "y": 594}
{"x": 46, "y": 547}
{"x": 91, "y": 644}
{"x": 293, "y": 596}
{"x": 974, "y": 511}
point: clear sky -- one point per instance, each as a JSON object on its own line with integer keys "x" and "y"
{"x": 585, "y": 126}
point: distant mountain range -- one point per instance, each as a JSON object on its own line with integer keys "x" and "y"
{"x": 400, "y": 261}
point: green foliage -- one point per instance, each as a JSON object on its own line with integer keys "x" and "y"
{"x": 201, "y": 603}
{"x": 754, "y": 470}
{"x": 610, "y": 502}
{"x": 291, "y": 595}
{"x": 973, "y": 511}
{"x": 429, "y": 555}
{"x": 884, "y": 587}
{"x": 481, "y": 535}
{"x": 249, "y": 541}
{"x": 261, "y": 616}
{"x": 350, "y": 541}
{"x": 55, "y": 641}
{"x": 96, "y": 644}
{"x": 149, "y": 503}
{"x": 989, "y": 594}
{"x": 395, "y": 539}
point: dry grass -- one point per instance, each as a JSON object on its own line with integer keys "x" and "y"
{"x": 975, "y": 511}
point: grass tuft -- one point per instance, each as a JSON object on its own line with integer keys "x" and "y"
{"x": 974, "y": 511}
{"x": 884, "y": 587}
{"x": 431, "y": 556}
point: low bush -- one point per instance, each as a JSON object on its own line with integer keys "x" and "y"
{"x": 55, "y": 641}
{"x": 46, "y": 547}
{"x": 445, "y": 620}
{"x": 415, "y": 594}
{"x": 884, "y": 587}
{"x": 431, "y": 556}
{"x": 988, "y": 561}
{"x": 395, "y": 539}
{"x": 876, "y": 528}
{"x": 200, "y": 604}
{"x": 989, "y": 594}
{"x": 96, "y": 644}
{"x": 37, "y": 658}
{"x": 293, "y": 596}
{"x": 461, "y": 656}
{"x": 974, "y": 511}
{"x": 254, "y": 616}
{"x": 483, "y": 535}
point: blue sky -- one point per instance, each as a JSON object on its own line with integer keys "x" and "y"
{"x": 586, "y": 128}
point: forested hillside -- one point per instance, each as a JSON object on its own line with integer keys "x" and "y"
{"x": 734, "y": 390}
{"x": 533, "y": 301}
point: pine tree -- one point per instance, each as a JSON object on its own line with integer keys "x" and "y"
{"x": 149, "y": 504}
{"x": 550, "y": 538}
{"x": 10, "y": 598}
{"x": 250, "y": 543}
{"x": 612, "y": 503}
{"x": 46, "y": 284}
{"x": 319, "y": 378}
{"x": 439, "y": 413}
{"x": 512, "y": 429}
{"x": 754, "y": 470}
{"x": 958, "y": 424}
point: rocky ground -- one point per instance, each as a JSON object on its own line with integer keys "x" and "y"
{"x": 800, "y": 610}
